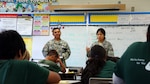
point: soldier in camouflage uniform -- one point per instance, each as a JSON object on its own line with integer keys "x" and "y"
{"x": 58, "y": 44}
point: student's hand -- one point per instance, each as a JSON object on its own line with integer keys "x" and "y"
{"x": 58, "y": 60}
{"x": 62, "y": 66}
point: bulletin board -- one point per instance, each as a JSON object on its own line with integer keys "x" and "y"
{"x": 119, "y": 18}
{"x": 41, "y": 24}
{"x": 22, "y": 23}
{"x": 68, "y": 19}
{"x": 103, "y": 18}
{"x": 6, "y": 19}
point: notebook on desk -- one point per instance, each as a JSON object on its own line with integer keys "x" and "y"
{"x": 95, "y": 80}
{"x": 69, "y": 82}
{"x": 68, "y": 76}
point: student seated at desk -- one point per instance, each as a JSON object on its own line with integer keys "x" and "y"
{"x": 14, "y": 69}
{"x": 51, "y": 61}
{"x": 97, "y": 65}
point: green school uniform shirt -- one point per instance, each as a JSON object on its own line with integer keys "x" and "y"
{"x": 133, "y": 65}
{"x": 107, "y": 70}
{"x": 22, "y": 72}
{"x": 51, "y": 65}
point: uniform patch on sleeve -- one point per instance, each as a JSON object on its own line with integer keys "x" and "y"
{"x": 147, "y": 67}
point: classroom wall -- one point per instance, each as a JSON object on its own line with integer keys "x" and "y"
{"x": 122, "y": 29}
{"x": 140, "y": 5}
{"x": 78, "y": 39}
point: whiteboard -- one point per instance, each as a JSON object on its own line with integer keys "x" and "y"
{"x": 78, "y": 37}
{"x": 120, "y": 36}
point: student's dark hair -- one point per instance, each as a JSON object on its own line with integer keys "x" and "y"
{"x": 95, "y": 64}
{"x": 101, "y": 30}
{"x": 10, "y": 44}
{"x": 148, "y": 34}
{"x": 55, "y": 29}
{"x": 53, "y": 52}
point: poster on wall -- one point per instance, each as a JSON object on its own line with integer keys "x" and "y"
{"x": 24, "y": 24}
{"x": 41, "y": 24}
{"x": 140, "y": 19}
{"x": 8, "y": 21}
{"x": 123, "y": 19}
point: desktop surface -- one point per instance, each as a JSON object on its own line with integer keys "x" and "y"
{"x": 69, "y": 82}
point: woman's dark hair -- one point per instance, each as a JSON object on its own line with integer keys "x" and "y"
{"x": 10, "y": 44}
{"x": 102, "y": 31}
{"x": 95, "y": 64}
